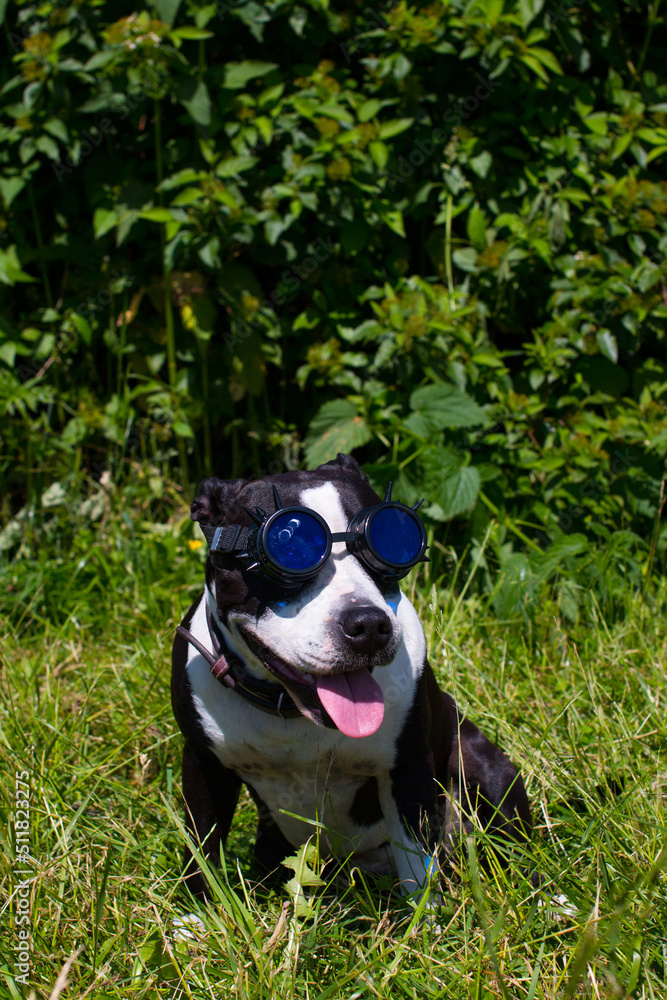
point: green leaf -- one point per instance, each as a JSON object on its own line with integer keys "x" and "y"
{"x": 458, "y": 493}
{"x": 575, "y": 195}
{"x": 476, "y": 228}
{"x": 82, "y": 326}
{"x": 528, "y": 10}
{"x": 394, "y": 127}
{"x": 10, "y": 268}
{"x": 436, "y": 407}
{"x": 185, "y": 176}
{"x": 466, "y": 259}
{"x": 157, "y": 215}
{"x": 235, "y": 165}
{"x": 481, "y": 164}
{"x": 393, "y": 219}
{"x": 655, "y": 153}
{"x": 238, "y": 74}
{"x": 368, "y": 110}
{"x": 45, "y": 144}
{"x": 104, "y": 219}
{"x": 8, "y": 353}
{"x": 606, "y": 341}
{"x": 535, "y": 65}
{"x": 97, "y": 61}
{"x": 167, "y": 10}
{"x": 545, "y": 565}
{"x": 547, "y": 58}
{"x": 336, "y": 427}
{"x": 54, "y": 126}
{"x": 598, "y": 122}
{"x": 183, "y": 430}
{"x": 10, "y": 187}
{"x": 194, "y": 97}
{"x": 621, "y": 143}
{"x": 380, "y": 154}
{"x": 190, "y": 33}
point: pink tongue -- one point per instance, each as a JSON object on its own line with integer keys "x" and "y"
{"x": 354, "y": 701}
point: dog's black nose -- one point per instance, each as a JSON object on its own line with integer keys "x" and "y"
{"x": 367, "y": 630}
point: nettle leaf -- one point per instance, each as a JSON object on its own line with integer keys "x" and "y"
{"x": 238, "y": 74}
{"x": 437, "y": 407}
{"x": 336, "y": 427}
{"x": 457, "y": 494}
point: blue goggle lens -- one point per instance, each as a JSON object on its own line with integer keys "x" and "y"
{"x": 395, "y": 535}
{"x": 296, "y": 541}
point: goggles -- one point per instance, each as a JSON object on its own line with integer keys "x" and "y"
{"x": 292, "y": 545}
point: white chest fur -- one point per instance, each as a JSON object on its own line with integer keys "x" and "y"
{"x": 304, "y": 772}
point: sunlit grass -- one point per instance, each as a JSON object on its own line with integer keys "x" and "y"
{"x": 85, "y": 709}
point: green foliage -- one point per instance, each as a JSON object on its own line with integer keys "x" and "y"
{"x": 434, "y": 235}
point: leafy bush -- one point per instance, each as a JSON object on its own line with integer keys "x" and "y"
{"x": 434, "y": 235}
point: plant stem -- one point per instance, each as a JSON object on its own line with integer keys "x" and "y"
{"x": 168, "y": 312}
{"x": 652, "y": 21}
{"x": 448, "y": 251}
{"x": 208, "y": 454}
{"x": 40, "y": 247}
{"x": 508, "y": 523}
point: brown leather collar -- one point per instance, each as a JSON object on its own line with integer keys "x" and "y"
{"x": 229, "y": 670}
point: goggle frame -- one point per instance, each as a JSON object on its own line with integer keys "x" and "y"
{"x": 255, "y": 551}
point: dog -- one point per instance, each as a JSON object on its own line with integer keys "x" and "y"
{"x": 304, "y": 676}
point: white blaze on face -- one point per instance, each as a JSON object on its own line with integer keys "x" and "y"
{"x": 306, "y": 633}
{"x": 303, "y": 632}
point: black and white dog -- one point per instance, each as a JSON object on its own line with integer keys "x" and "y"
{"x": 318, "y": 696}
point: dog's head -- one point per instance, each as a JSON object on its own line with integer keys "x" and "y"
{"x": 324, "y": 639}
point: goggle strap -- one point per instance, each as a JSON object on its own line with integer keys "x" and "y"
{"x": 227, "y": 539}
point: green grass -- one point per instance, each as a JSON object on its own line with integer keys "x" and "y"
{"x": 85, "y": 708}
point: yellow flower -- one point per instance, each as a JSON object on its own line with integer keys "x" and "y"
{"x": 194, "y": 544}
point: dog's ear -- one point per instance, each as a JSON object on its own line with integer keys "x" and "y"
{"x": 215, "y": 498}
{"x": 345, "y": 462}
